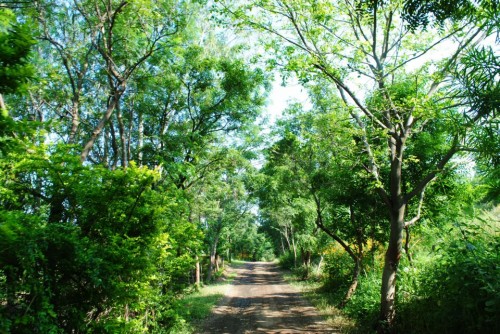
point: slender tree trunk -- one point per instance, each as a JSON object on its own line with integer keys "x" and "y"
{"x": 407, "y": 245}
{"x": 197, "y": 272}
{"x": 287, "y": 238}
{"x": 354, "y": 282}
{"x": 102, "y": 123}
{"x": 294, "y": 247}
{"x": 212, "y": 265}
{"x": 306, "y": 258}
{"x": 397, "y": 208}
{"x": 121, "y": 131}
{"x": 320, "y": 263}
{"x": 2, "y": 104}
{"x": 114, "y": 145}
{"x": 140, "y": 139}
{"x": 75, "y": 118}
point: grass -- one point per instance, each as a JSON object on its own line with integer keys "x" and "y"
{"x": 325, "y": 303}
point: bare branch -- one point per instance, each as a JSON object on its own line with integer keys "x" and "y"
{"x": 453, "y": 59}
{"x": 419, "y": 209}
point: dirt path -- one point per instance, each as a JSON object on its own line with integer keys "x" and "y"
{"x": 260, "y": 301}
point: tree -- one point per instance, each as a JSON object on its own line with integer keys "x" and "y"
{"x": 339, "y": 41}
{"x": 16, "y": 43}
{"x": 314, "y": 160}
{"x": 107, "y": 244}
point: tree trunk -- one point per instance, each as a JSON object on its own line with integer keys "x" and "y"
{"x": 294, "y": 247}
{"x": 212, "y": 265}
{"x": 75, "y": 118}
{"x": 392, "y": 257}
{"x": 114, "y": 146}
{"x": 100, "y": 126}
{"x": 306, "y": 258}
{"x": 320, "y": 263}
{"x": 287, "y": 238}
{"x": 407, "y": 246}
{"x": 197, "y": 272}
{"x": 2, "y": 104}
{"x": 397, "y": 208}
{"x": 356, "y": 258}
{"x": 121, "y": 131}
{"x": 140, "y": 143}
{"x": 354, "y": 282}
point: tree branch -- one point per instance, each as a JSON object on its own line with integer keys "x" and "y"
{"x": 419, "y": 210}
{"x": 419, "y": 188}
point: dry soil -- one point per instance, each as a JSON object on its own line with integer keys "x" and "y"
{"x": 260, "y": 301}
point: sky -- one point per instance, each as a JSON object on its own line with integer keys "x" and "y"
{"x": 280, "y": 97}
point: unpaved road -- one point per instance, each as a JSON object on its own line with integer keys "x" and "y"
{"x": 260, "y": 301}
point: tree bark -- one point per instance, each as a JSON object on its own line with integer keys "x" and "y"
{"x": 2, "y": 104}
{"x": 397, "y": 208}
{"x": 212, "y": 265}
{"x": 140, "y": 143}
{"x": 121, "y": 131}
{"x": 294, "y": 247}
{"x": 197, "y": 272}
{"x": 75, "y": 118}
{"x": 354, "y": 282}
{"x": 100, "y": 126}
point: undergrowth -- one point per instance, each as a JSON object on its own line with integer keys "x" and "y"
{"x": 195, "y": 306}
{"x": 451, "y": 286}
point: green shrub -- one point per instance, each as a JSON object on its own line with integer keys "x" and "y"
{"x": 337, "y": 270}
{"x": 287, "y": 261}
{"x": 89, "y": 253}
{"x": 459, "y": 291}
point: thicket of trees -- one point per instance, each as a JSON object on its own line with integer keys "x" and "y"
{"x": 129, "y": 131}
{"x": 125, "y": 132}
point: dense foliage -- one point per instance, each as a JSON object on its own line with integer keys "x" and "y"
{"x": 130, "y": 135}
{"x": 119, "y": 190}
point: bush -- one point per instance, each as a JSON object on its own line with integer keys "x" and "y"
{"x": 88, "y": 253}
{"x": 287, "y": 261}
{"x": 458, "y": 292}
{"x": 337, "y": 270}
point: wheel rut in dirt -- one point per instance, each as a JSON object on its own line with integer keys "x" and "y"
{"x": 260, "y": 301}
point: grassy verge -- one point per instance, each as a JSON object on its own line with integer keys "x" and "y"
{"x": 325, "y": 303}
{"x": 195, "y": 307}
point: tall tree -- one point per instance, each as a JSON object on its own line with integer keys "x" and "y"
{"x": 401, "y": 96}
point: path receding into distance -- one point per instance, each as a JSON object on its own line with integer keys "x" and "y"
{"x": 260, "y": 301}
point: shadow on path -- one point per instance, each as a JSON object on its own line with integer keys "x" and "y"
{"x": 260, "y": 301}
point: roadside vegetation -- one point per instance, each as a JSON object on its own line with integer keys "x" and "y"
{"x": 194, "y": 307}
{"x": 450, "y": 286}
